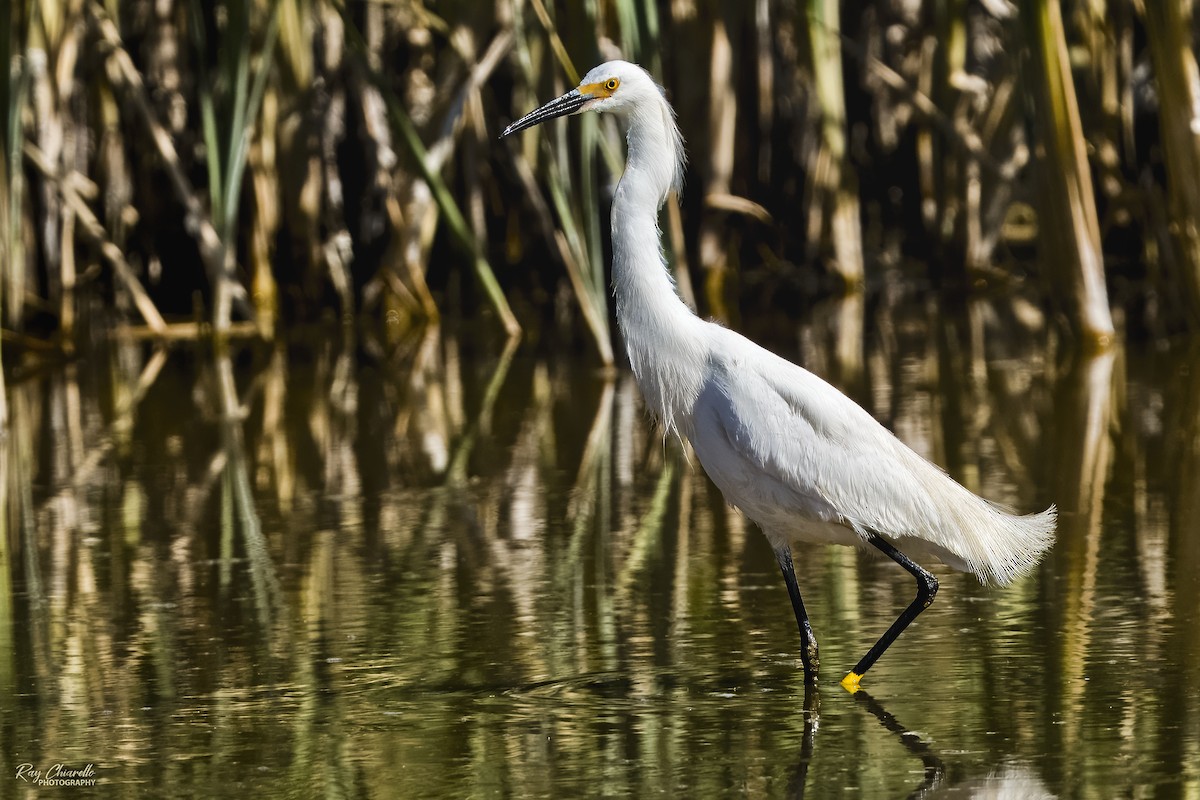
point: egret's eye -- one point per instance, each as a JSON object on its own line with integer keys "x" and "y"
{"x": 612, "y": 84}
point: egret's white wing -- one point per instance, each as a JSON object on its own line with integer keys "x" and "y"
{"x": 797, "y": 442}
{"x": 787, "y": 448}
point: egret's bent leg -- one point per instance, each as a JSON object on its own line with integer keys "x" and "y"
{"x": 927, "y": 587}
{"x": 808, "y": 641}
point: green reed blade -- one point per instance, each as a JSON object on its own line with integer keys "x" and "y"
{"x": 242, "y": 131}
{"x": 208, "y": 115}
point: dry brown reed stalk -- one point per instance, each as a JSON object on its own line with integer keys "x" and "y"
{"x": 835, "y": 178}
{"x": 556, "y": 44}
{"x": 12, "y": 259}
{"x": 1170, "y": 40}
{"x": 947, "y": 74}
{"x": 52, "y": 48}
{"x": 1105, "y": 36}
{"x": 183, "y": 332}
{"x": 68, "y": 188}
{"x": 265, "y": 180}
{"x": 14, "y": 89}
{"x": 1071, "y": 230}
{"x": 402, "y": 277}
{"x": 449, "y": 208}
{"x": 764, "y": 52}
{"x": 122, "y": 72}
{"x": 966, "y": 176}
{"x": 718, "y": 168}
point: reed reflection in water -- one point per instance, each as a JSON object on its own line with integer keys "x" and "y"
{"x": 339, "y": 569}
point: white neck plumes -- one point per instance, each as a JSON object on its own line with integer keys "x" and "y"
{"x": 664, "y": 339}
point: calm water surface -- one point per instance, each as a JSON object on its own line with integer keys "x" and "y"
{"x": 327, "y": 571}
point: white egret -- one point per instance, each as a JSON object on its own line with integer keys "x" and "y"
{"x": 795, "y": 455}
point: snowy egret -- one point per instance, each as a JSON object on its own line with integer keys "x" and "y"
{"x": 795, "y": 455}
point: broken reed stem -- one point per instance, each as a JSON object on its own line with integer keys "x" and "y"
{"x": 182, "y": 332}
{"x": 122, "y": 72}
{"x": 96, "y": 234}
{"x": 441, "y": 150}
{"x": 460, "y": 231}
{"x": 926, "y": 109}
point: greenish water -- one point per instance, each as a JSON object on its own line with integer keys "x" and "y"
{"x": 448, "y": 573}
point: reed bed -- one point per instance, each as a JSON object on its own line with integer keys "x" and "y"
{"x": 178, "y": 169}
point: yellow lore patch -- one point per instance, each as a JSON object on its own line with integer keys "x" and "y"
{"x": 600, "y": 90}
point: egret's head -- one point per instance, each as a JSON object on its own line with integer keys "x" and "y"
{"x": 615, "y": 86}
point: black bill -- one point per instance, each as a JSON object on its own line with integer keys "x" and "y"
{"x": 569, "y": 103}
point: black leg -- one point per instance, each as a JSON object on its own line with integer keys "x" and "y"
{"x": 927, "y": 587}
{"x": 808, "y": 641}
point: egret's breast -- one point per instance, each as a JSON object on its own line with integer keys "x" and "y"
{"x": 761, "y": 496}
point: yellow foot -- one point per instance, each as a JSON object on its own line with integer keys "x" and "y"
{"x": 850, "y": 682}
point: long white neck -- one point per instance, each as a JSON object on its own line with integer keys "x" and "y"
{"x": 664, "y": 339}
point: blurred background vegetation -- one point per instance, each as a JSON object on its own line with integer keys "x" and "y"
{"x": 178, "y": 167}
